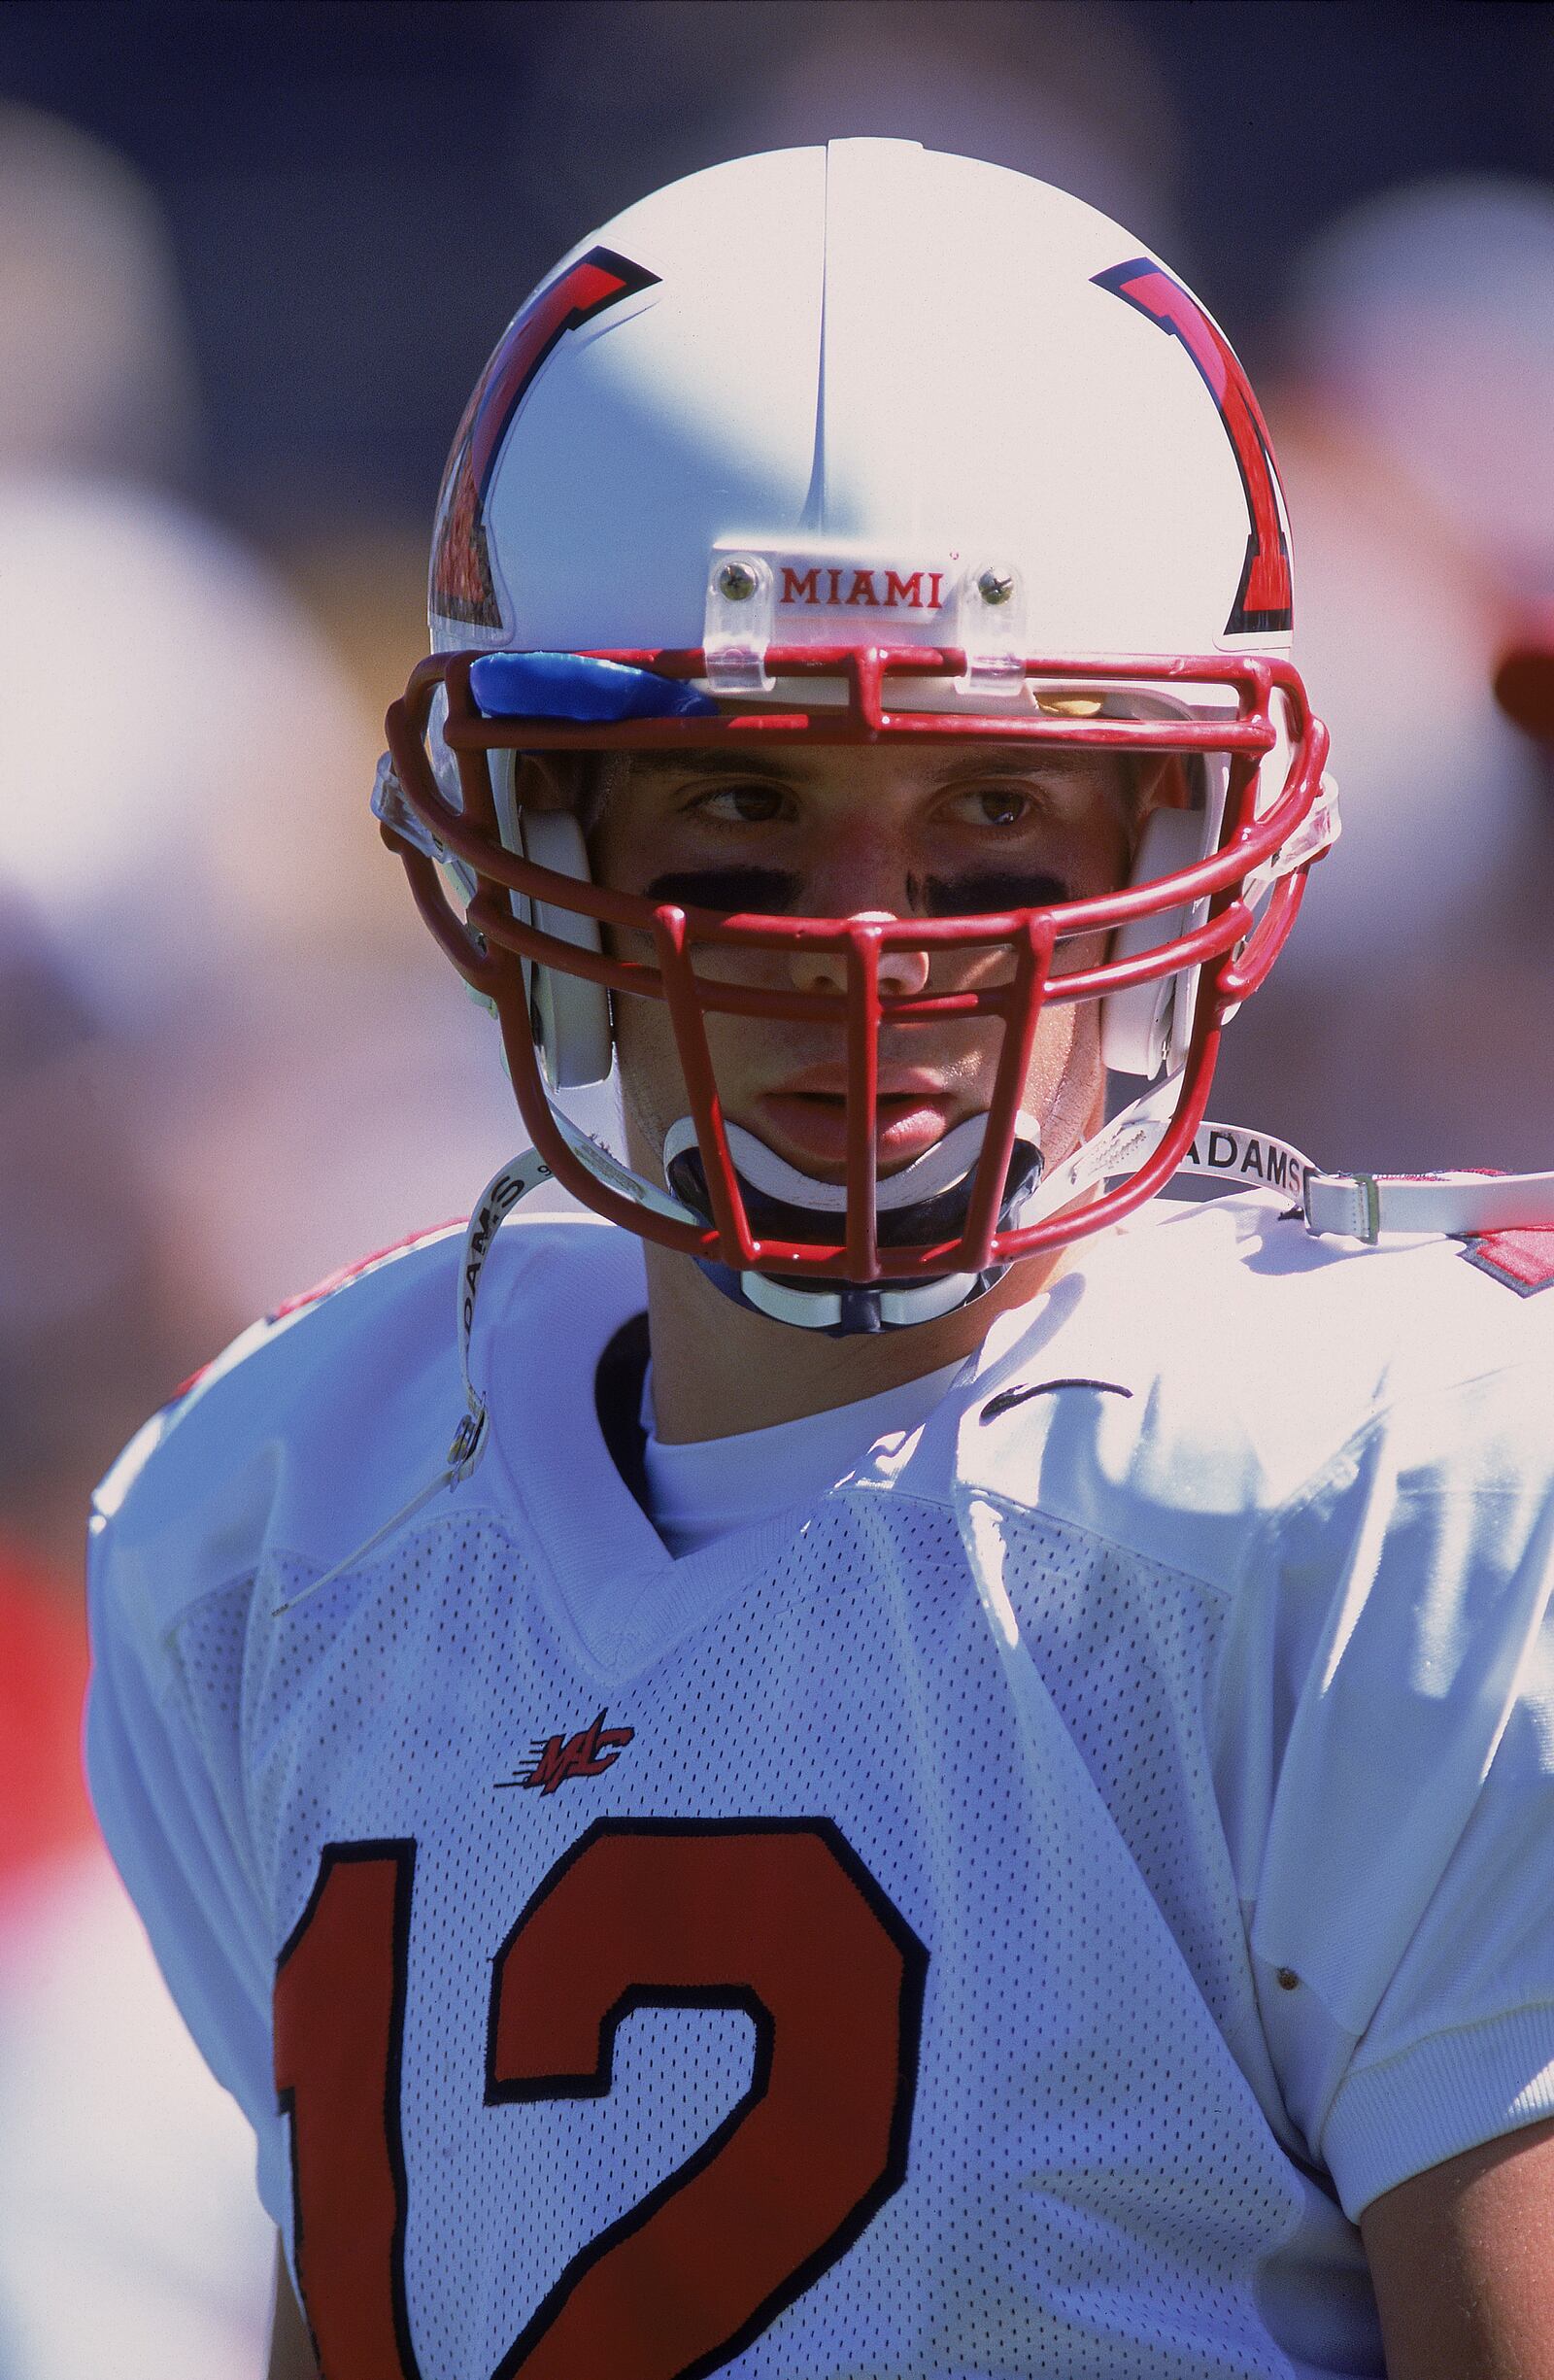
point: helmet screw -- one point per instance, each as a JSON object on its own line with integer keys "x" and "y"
{"x": 738, "y": 581}
{"x": 995, "y": 585}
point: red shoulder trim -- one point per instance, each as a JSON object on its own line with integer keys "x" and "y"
{"x": 330, "y": 1282}
{"x": 1523, "y": 1261}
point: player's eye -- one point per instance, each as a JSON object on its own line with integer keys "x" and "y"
{"x": 750, "y": 804}
{"x": 993, "y": 805}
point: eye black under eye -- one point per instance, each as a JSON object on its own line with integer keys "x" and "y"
{"x": 990, "y": 892}
{"x": 768, "y": 891}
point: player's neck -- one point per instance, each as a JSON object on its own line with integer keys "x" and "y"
{"x": 718, "y": 1369}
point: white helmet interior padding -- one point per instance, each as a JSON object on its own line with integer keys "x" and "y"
{"x": 571, "y": 1016}
{"x": 1147, "y": 1024}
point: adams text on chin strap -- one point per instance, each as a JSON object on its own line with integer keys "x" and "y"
{"x": 1224, "y": 1157}
{"x": 502, "y": 1193}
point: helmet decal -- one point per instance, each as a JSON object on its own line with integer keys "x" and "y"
{"x": 1264, "y": 604}
{"x": 462, "y": 586}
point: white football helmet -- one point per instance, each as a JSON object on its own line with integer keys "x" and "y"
{"x": 847, "y": 445}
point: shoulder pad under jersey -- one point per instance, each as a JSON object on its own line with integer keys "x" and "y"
{"x": 311, "y": 1430}
{"x": 1206, "y": 1363}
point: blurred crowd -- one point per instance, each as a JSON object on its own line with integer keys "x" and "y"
{"x": 231, "y": 1059}
{"x": 228, "y": 1058}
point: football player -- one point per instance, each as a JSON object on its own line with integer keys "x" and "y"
{"x": 881, "y": 1755}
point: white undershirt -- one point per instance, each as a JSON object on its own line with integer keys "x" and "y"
{"x": 714, "y": 1485}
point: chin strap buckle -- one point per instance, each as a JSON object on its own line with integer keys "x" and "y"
{"x": 1363, "y": 1205}
{"x": 1343, "y": 1207}
{"x": 1311, "y": 841}
{"x": 469, "y": 1443}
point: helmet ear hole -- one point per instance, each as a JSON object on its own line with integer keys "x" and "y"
{"x": 1148, "y": 1022}
{"x": 570, "y": 1016}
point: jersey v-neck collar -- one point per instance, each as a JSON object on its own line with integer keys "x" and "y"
{"x": 709, "y": 1488}
{"x": 563, "y": 1295}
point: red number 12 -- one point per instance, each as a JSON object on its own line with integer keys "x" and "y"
{"x": 775, "y": 1917}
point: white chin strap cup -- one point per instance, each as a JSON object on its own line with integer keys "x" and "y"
{"x": 938, "y": 1173}
{"x": 822, "y": 1310}
{"x": 940, "y": 1169}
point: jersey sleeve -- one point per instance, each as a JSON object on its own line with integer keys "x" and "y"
{"x": 168, "y": 1799}
{"x": 1394, "y": 1809}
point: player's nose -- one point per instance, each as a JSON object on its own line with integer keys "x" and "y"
{"x": 903, "y": 973}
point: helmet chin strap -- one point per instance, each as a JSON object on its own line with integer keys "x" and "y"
{"x": 925, "y": 1198}
{"x": 926, "y": 1201}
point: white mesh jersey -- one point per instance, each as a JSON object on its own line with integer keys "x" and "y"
{"x": 1005, "y": 1916}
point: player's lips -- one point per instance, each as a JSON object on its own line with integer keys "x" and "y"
{"x": 806, "y": 1121}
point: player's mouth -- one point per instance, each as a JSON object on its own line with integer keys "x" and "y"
{"x": 808, "y": 1125}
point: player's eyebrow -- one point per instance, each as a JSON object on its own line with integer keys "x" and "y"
{"x": 784, "y": 769}
{"x": 699, "y": 762}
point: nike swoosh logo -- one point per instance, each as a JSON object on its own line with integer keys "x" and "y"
{"x": 1009, "y": 1398}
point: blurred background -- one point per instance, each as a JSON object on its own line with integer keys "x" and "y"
{"x": 252, "y": 259}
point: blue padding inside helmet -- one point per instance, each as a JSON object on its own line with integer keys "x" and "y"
{"x": 573, "y": 686}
